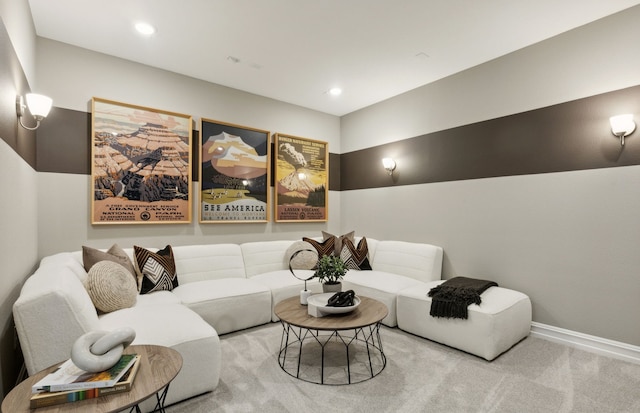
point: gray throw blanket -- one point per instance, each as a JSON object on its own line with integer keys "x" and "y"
{"x": 451, "y": 298}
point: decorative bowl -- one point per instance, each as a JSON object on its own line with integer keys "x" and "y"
{"x": 320, "y": 301}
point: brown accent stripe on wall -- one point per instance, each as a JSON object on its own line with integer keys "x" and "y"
{"x": 334, "y": 172}
{"x": 64, "y": 142}
{"x": 570, "y": 136}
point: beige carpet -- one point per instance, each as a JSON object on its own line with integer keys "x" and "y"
{"x": 422, "y": 376}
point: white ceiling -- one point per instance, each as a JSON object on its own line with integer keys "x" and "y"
{"x": 296, "y": 50}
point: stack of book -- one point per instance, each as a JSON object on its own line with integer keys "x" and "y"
{"x": 68, "y": 383}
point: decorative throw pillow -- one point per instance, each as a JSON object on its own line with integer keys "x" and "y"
{"x": 356, "y": 258}
{"x": 111, "y": 286}
{"x": 304, "y": 260}
{"x": 324, "y": 248}
{"x": 158, "y": 269}
{"x": 91, "y": 256}
{"x": 339, "y": 240}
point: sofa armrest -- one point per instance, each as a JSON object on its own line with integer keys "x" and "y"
{"x": 53, "y": 310}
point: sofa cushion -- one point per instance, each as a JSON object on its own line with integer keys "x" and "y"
{"x": 111, "y": 286}
{"x": 157, "y": 298}
{"x": 151, "y": 323}
{"x": 91, "y": 256}
{"x": 69, "y": 260}
{"x": 306, "y": 257}
{"x": 195, "y": 340}
{"x": 208, "y": 262}
{"x": 229, "y": 304}
{"x": 380, "y": 285}
{"x": 157, "y": 269}
{"x": 264, "y": 256}
{"x": 422, "y": 262}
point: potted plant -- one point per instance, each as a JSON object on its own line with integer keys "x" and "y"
{"x": 330, "y": 271}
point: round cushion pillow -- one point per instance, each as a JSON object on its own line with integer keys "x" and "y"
{"x": 305, "y": 260}
{"x": 111, "y": 286}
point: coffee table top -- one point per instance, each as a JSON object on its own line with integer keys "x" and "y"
{"x": 369, "y": 312}
{"x": 158, "y": 366}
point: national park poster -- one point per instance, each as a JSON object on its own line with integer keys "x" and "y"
{"x": 140, "y": 165}
{"x": 301, "y": 179}
{"x": 234, "y": 173}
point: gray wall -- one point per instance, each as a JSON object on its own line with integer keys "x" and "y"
{"x": 568, "y": 239}
{"x": 18, "y": 202}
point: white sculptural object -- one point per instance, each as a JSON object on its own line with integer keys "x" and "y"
{"x": 98, "y": 351}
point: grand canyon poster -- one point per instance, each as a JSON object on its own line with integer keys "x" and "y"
{"x": 302, "y": 179}
{"x": 140, "y": 165}
{"x": 234, "y": 173}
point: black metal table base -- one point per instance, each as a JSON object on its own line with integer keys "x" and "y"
{"x": 160, "y": 398}
{"x": 364, "y": 342}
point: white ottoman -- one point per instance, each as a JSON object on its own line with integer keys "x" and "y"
{"x": 493, "y": 327}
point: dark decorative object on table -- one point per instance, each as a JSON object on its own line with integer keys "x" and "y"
{"x": 342, "y": 299}
{"x": 330, "y": 271}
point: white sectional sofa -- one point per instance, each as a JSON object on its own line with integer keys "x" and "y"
{"x": 222, "y": 288}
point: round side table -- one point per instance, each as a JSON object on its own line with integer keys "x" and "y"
{"x": 158, "y": 367}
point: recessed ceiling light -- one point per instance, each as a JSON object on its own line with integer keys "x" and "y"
{"x": 335, "y": 91}
{"x": 145, "y": 28}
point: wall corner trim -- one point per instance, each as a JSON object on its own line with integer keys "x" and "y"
{"x": 593, "y": 344}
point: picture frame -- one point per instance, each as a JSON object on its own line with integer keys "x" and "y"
{"x": 235, "y": 173}
{"x": 301, "y": 179}
{"x": 140, "y": 164}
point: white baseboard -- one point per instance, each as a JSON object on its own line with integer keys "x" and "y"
{"x": 610, "y": 348}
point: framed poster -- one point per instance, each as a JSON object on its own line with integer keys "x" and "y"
{"x": 302, "y": 179}
{"x": 140, "y": 165}
{"x": 234, "y": 173}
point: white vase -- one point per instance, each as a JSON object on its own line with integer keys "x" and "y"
{"x": 332, "y": 288}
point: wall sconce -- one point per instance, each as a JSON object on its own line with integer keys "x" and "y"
{"x": 39, "y": 106}
{"x": 389, "y": 164}
{"x": 622, "y": 125}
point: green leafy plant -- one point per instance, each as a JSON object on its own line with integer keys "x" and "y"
{"x": 330, "y": 269}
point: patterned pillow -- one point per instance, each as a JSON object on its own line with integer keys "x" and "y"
{"x": 91, "y": 256}
{"x": 339, "y": 240}
{"x": 158, "y": 269}
{"x": 356, "y": 258}
{"x": 326, "y": 247}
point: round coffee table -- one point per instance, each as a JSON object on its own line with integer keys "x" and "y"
{"x": 334, "y": 349}
{"x": 158, "y": 367}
